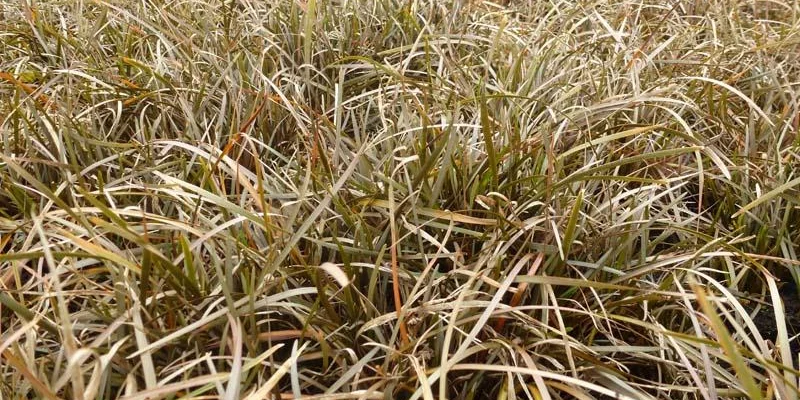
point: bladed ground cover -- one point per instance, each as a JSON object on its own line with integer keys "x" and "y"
{"x": 399, "y": 199}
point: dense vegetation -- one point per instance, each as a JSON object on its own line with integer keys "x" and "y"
{"x": 339, "y": 199}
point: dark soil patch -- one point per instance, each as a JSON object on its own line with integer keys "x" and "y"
{"x": 767, "y": 325}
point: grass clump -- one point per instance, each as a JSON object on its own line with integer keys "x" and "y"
{"x": 380, "y": 199}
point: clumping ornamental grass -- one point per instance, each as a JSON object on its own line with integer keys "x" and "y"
{"x": 399, "y": 199}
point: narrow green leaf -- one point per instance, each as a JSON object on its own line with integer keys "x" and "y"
{"x": 767, "y": 197}
{"x": 25, "y": 313}
{"x": 488, "y": 133}
{"x": 572, "y": 224}
{"x": 743, "y": 372}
